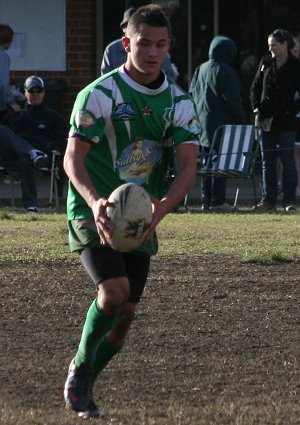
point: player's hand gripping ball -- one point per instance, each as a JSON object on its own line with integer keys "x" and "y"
{"x": 131, "y": 214}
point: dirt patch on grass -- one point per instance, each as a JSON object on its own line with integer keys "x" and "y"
{"x": 215, "y": 341}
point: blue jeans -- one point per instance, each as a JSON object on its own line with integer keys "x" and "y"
{"x": 272, "y": 145}
{"x": 15, "y": 149}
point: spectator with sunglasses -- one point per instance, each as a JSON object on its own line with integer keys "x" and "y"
{"x": 27, "y": 138}
{"x": 272, "y": 96}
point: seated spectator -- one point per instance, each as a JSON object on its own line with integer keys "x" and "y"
{"x": 27, "y": 138}
{"x": 115, "y": 55}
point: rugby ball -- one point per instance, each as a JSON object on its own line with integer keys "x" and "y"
{"x": 131, "y": 213}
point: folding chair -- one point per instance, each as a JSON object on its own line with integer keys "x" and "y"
{"x": 54, "y": 177}
{"x": 52, "y": 171}
{"x": 10, "y": 175}
{"x": 171, "y": 174}
{"x": 232, "y": 154}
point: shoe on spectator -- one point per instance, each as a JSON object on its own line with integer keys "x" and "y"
{"x": 39, "y": 159}
{"x": 205, "y": 207}
{"x": 290, "y": 208}
{"x": 264, "y": 206}
{"x": 10, "y": 178}
{"x": 32, "y": 210}
{"x": 76, "y": 391}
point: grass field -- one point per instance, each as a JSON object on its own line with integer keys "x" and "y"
{"x": 215, "y": 341}
{"x": 248, "y": 236}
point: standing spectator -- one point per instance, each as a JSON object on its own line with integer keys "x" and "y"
{"x": 215, "y": 88}
{"x": 7, "y": 99}
{"x": 28, "y": 137}
{"x": 272, "y": 96}
{"x": 297, "y": 154}
{"x": 115, "y": 55}
{"x": 135, "y": 103}
{"x": 296, "y": 52}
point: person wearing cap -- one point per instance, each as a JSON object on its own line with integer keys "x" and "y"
{"x": 28, "y": 136}
{"x": 272, "y": 96}
{"x": 114, "y": 55}
{"x": 7, "y": 99}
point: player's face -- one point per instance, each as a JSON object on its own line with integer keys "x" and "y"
{"x": 146, "y": 52}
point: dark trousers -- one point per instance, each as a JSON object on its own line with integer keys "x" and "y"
{"x": 272, "y": 145}
{"x": 16, "y": 150}
{"x": 214, "y": 191}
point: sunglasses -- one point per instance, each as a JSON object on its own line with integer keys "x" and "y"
{"x": 35, "y": 91}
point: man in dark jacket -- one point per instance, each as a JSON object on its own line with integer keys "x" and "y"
{"x": 27, "y": 138}
{"x": 215, "y": 88}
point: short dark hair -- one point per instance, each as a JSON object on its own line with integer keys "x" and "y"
{"x": 281, "y": 35}
{"x": 150, "y": 14}
{"x": 6, "y": 34}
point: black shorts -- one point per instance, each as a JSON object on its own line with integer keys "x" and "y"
{"x": 105, "y": 263}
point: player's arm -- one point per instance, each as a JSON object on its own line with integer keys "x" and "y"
{"x": 76, "y": 171}
{"x": 186, "y": 157}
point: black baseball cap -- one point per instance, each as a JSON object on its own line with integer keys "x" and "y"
{"x": 126, "y": 16}
{"x": 33, "y": 81}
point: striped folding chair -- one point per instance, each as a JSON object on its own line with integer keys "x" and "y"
{"x": 232, "y": 154}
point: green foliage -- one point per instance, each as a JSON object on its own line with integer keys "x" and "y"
{"x": 271, "y": 255}
{"x": 6, "y": 215}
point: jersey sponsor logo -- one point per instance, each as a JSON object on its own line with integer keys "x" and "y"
{"x": 124, "y": 112}
{"x": 137, "y": 160}
{"x": 84, "y": 119}
{"x": 194, "y": 126}
{"x": 147, "y": 110}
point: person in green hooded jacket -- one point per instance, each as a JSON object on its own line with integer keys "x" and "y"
{"x": 215, "y": 88}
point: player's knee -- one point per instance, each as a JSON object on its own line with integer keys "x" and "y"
{"x": 113, "y": 294}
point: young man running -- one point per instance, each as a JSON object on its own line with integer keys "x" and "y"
{"x": 132, "y": 103}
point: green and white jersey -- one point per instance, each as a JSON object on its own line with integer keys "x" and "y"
{"x": 132, "y": 130}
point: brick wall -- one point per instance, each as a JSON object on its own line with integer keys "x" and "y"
{"x": 81, "y": 53}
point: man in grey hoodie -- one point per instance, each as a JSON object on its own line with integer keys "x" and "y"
{"x": 7, "y": 100}
{"x": 215, "y": 88}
